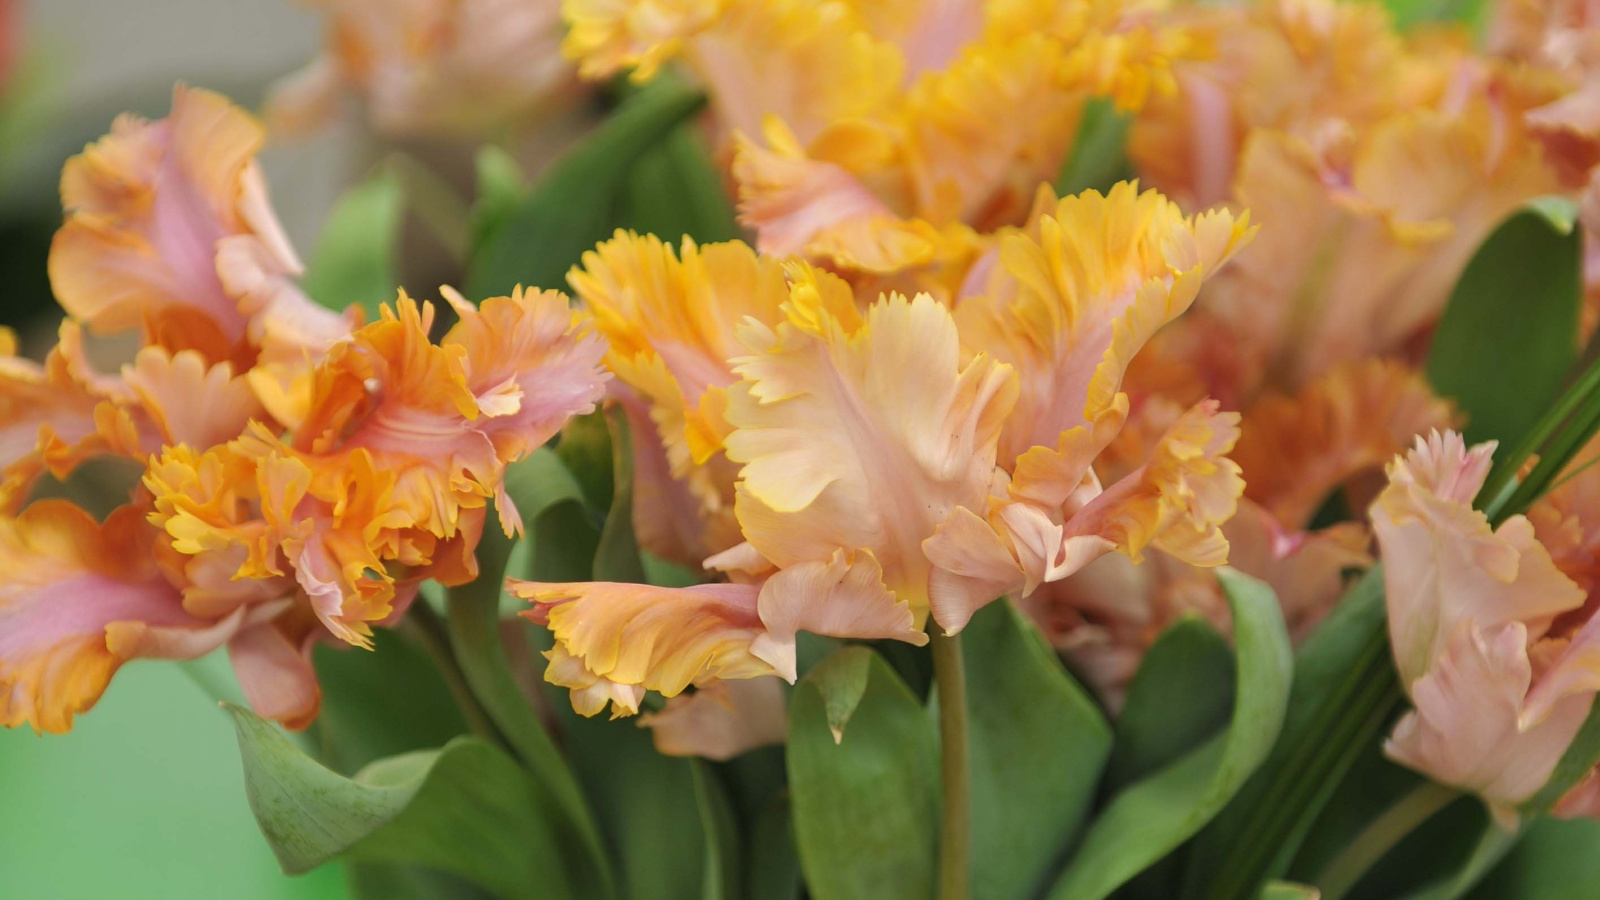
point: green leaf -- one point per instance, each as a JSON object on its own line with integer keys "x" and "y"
{"x": 467, "y": 809}
{"x": 1344, "y": 692}
{"x": 1154, "y": 816}
{"x": 537, "y": 485}
{"x": 1180, "y": 696}
{"x": 355, "y": 258}
{"x": 370, "y": 881}
{"x": 773, "y": 872}
{"x": 1582, "y": 755}
{"x": 572, "y": 207}
{"x": 674, "y": 190}
{"x": 1556, "y": 859}
{"x": 382, "y": 703}
{"x": 501, "y": 188}
{"x": 1284, "y": 890}
{"x": 650, "y": 808}
{"x": 585, "y": 449}
{"x": 721, "y": 873}
{"x": 1508, "y": 337}
{"x": 1037, "y": 746}
{"x": 616, "y": 558}
{"x": 1098, "y": 159}
{"x": 1492, "y": 845}
{"x": 866, "y": 808}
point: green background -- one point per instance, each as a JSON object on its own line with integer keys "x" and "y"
{"x": 143, "y": 800}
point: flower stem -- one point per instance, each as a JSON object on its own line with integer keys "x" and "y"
{"x": 955, "y": 837}
{"x": 429, "y": 631}
{"x": 1379, "y": 837}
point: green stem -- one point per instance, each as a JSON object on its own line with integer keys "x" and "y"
{"x": 955, "y": 836}
{"x": 425, "y": 625}
{"x": 1381, "y": 836}
{"x": 435, "y": 203}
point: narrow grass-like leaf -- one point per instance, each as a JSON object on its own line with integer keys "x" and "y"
{"x": 866, "y": 808}
{"x": 467, "y": 809}
{"x": 1555, "y": 860}
{"x": 1154, "y": 816}
{"x": 1037, "y": 746}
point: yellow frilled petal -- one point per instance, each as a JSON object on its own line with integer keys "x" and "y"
{"x": 79, "y": 600}
{"x": 1056, "y": 518}
{"x": 1178, "y": 501}
{"x": 1296, "y": 449}
{"x": 803, "y": 205}
{"x": 614, "y": 641}
{"x": 607, "y": 36}
{"x": 168, "y": 227}
{"x": 212, "y": 543}
{"x": 721, "y": 720}
{"x": 864, "y": 441}
{"x": 671, "y": 321}
{"x": 1080, "y": 292}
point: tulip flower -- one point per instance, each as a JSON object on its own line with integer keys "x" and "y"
{"x": 891, "y": 463}
{"x": 869, "y": 137}
{"x": 1492, "y": 628}
{"x": 429, "y": 67}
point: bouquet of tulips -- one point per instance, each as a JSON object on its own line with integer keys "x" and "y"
{"x": 996, "y": 449}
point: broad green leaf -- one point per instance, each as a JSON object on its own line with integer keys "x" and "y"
{"x": 649, "y": 807}
{"x": 1098, "y": 159}
{"x": 1151, "y": 818}
{"x": 354, "y": 262}
{"x": 1560, "y": 211}
{"x": 572, "y": 206}
{"x": 1508, "y": 337}
{"x": 386, "y": 702}
{"x": 1555, "y": 860}
{"x": 1344, "y": 692}
{"x": 1036, "y": 748}
{"x": 467, "y": 809}
{"x": 674, "y": 190}
{"x": 369, "y": 881}
{"x": 1180, "y": 696}
{"x": 1284, "y": 890}
{"x": 866, "y": 808}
